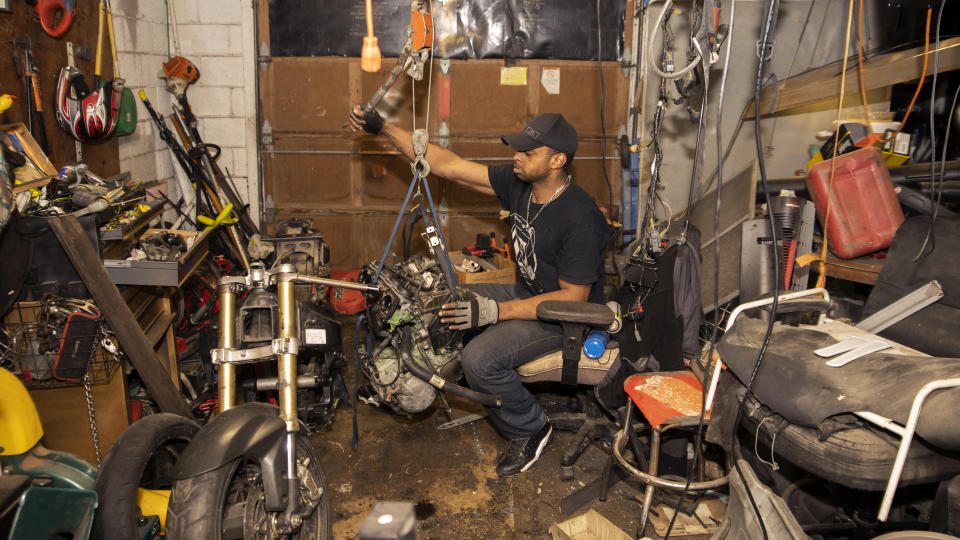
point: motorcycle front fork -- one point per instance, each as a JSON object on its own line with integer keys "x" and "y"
{"x": 286, "y": 383}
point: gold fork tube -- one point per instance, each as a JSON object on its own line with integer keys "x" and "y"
{"x": 287, "y": 363}
{"x": 227, "y": 374}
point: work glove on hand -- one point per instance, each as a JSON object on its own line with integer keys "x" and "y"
{"x": 474, "y": 313}
{"x": 369, "y": 121}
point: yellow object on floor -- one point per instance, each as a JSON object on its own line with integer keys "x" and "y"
{"x": 154, "y": 502}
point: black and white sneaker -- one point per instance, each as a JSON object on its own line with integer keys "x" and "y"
{"x": 521, "y": 454}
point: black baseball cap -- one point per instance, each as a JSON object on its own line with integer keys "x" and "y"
{"x": 549, "y": 129}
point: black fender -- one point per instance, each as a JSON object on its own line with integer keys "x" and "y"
{"x": 250, "y": 430}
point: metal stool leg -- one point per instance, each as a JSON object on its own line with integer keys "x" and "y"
{"x": 654, "y": 462}
{"x": 605, "y": 476}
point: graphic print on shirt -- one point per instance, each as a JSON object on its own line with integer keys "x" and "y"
{"x": 524, "y": 244}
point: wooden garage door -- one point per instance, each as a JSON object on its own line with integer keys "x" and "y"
{"x": 352, "y": 185}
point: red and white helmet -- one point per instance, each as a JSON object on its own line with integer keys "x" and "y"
{"x": 87, "y": 116}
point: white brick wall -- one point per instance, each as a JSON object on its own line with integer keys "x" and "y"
{"x": 217, "y": 36}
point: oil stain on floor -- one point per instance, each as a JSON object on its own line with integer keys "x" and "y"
{"x": 449, "y": 475}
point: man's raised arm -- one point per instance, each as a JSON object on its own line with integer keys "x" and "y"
{"x": 443, "y": 162}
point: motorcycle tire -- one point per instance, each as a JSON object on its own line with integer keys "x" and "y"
{"x": 227, "y": 502}
{"x": 143, "y": 456}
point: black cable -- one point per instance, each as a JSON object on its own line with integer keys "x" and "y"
{"x": 929, "y": 237}
{"x": 766, "y": 29}
{"x": 698, "y": 147}
{"x": 603, "y": 147}
{"x": 698, "y": 439}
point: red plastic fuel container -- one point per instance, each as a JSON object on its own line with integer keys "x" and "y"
{"x": 864, "y": 210}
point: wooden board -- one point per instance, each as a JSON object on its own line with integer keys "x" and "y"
{"x": 864, "y": 269}
{"x": 878, "y": 72}
{"x": 63, "y": 412}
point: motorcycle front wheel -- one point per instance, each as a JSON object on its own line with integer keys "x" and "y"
{"x": 227, "y": 503}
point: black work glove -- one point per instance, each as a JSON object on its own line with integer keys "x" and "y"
{"x": 473, "y": 313}
{"x": 370, "y": 121}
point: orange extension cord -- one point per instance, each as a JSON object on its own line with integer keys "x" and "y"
{"x": 923, "y": 74}
{"x": 822, "y": 267}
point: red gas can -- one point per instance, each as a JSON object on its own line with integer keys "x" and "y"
{"x": 864, "y": 211}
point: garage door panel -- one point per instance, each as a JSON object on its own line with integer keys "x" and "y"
{"x": 309, "y": 179}
{"x": 309, "y": 94}
{"x": 481, "y": 105}
{"x": 579, "y": 97}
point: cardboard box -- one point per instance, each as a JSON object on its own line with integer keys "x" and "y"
{"x": 590, "y": 525}
{"x": 500, "y": 270}
{"x": 850, "y": 133}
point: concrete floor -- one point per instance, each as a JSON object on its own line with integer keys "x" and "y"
{"x": 450, "y": 475}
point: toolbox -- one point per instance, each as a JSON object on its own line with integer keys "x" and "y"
{"x": 864, "y": 210}
{"x": 161, "y": 273}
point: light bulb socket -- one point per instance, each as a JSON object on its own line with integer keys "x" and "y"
{"x": 370, "y": 55}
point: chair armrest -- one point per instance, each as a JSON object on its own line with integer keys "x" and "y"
{"x": 575, "y": 312}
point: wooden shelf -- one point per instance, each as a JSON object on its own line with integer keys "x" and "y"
{"x": 878, "y": 72}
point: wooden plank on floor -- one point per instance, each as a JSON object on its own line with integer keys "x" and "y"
{"x": 104, "y": 292}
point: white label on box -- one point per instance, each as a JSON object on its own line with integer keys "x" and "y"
{"x": 316, "y": 336}
{"x": 901, "y": 145}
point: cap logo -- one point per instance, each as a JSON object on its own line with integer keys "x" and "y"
{"x": 531, "y": 132}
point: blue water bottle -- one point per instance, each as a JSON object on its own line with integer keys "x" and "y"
{"x": 595, "y": 343}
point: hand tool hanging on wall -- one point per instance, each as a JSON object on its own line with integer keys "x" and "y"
{"x": 55, "y": 16}
{"x": 127, "y": 118}
{"x": 29, "y": 74}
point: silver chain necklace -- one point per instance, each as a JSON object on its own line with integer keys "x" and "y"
{"x": 552, "y": 197}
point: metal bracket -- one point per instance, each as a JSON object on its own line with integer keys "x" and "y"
{"x": 902, "y": 308}
{"x": 264, "y": 57}
{"x": 246, "y": 356}
{"x": 420, "y": 140}
{"x": 266, "y": 137}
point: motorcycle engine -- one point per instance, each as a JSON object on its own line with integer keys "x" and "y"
{"x": 411, "y": 294}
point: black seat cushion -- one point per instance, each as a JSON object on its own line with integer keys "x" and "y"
{"x": 795, "y": 383}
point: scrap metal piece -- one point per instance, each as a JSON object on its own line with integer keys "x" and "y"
{"x": 902, "y": 308}
{"x": 462, "y": 421}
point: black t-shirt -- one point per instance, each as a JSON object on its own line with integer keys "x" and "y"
{"x": 568, "y": 238}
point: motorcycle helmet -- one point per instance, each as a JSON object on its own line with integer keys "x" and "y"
{"x": 86, "y": 115}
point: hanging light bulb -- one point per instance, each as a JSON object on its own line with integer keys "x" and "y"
{"x": 370, "y": 54}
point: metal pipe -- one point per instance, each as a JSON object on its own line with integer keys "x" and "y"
{"x": 270, "y": 383}
{"x": 912, "y": 421}
{"x": 287, "y": 363}
{"x": 506, "y": 159}
{"x": 303, "y": 278}
{"x": 227, "y": 375}
{"x": 620, "y": 442}
{"x": 882, "y": 421}
{"x": 750, "y": 305}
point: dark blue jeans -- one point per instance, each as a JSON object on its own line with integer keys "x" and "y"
{"x": 490, "y": 360}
